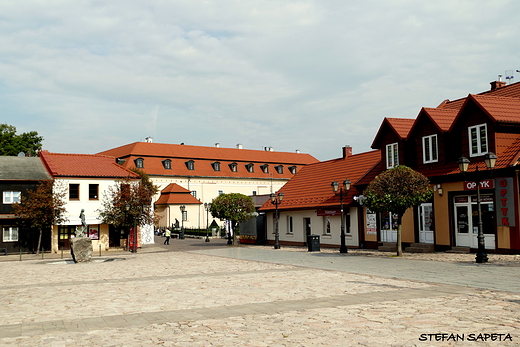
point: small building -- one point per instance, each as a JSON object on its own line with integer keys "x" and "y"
{"x": 17, "y": 176}
{"x": 87, "y": 178}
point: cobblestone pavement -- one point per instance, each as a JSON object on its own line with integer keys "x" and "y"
{"x": 213, "y": 295}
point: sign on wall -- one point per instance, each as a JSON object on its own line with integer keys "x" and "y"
{"x": 505, "y": 202}
{"x": 371, "y": 223}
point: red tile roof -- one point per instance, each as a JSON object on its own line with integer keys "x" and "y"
{"x": 174, "y": 194}
{"x": 155, "y": 153}
{"x": 442, "y": 118}
{"x": 84, "y": 165}
{"x": 400, "y": 126}
{"x": 310, "y": 188}
{"x": 500, "y": 109}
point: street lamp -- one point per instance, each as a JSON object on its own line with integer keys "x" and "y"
{"x": 276, "y": 200}
{"x": 207, "y": 206}
{"x": 346, "y": 187}
{"x": 490, "y": 160}
{"x": 181, "y": 233}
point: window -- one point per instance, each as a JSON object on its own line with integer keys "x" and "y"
{"x": 478, "y": 140}
{"x": 139, "y": 163}
{"x": 194, "y": 193}
{"x": 254, "y": 192}
{"x": 250, "y": 167}
{"x": 279, "y": 169}
{"x": 220, "y": 192}
{"x": 93, "y": 191}
{"x": 233, "y": 167}
{"x": 392, "y": 156}
{"x": 290, "y": 229}
{"x": 73, "y": 191}
{"x": 265, "y": 168}
{"x": 10, "y": 234}
{"x": 11, "y": 197}
{"x": 184, "y": 215}
{"x": 327, "y": 225}
{"x": 216, "y": 166}
{"x": 292, "y": 169}
{"x": 190, "y": 164}
{"x": 167, "y": 164}
{"x": 430, "y": 149}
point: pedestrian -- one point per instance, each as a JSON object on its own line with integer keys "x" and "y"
{"x": 167, "y": 235}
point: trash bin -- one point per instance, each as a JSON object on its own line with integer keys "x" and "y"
{"x": 181, "y": 234}
{"x": 313, "y": 242}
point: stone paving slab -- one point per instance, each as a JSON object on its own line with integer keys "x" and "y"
{"x": 201, "y": 299}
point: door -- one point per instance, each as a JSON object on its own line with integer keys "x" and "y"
{"x": 466, "y": 221}
{"x": 65, "y": 233}
{"x": 425, "y": 223}
{"x": 388, "y": 227}
{"x": 307, "y": 226}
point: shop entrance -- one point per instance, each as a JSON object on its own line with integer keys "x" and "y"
{"x": 388, "y": 227}
{"x": 425, "y": 223}
{"x": 466, "y": 221}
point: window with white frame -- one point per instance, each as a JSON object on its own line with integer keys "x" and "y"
{"x": 392, "y": 155}
{"x": 194, "y": 193}
{"x": 11, "y": 197}
{"x": 478, "y": 143}
{"x": 10, "y": 234}
{"x": 290, "y": 229}
{"x": 430, "y": 152}
{"x": 327, "y": 225}
{"x": 139, "y": 163}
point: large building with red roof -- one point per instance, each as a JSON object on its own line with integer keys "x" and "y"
{"x": 87, "y": 178}
{"x": 207, "y": 172}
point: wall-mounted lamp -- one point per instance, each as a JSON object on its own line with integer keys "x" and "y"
{"x": 439, "y": 190}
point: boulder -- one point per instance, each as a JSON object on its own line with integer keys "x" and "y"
{"x": 81, "y": 249}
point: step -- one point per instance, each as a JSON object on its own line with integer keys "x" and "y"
{"x": 458, "y": 250}
{"x": 420, "y": 248}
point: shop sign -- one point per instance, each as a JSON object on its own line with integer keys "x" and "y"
{"x": 329, "y": 212}
{"x": 505, "y": 201}
{"x": 484, "y": 184}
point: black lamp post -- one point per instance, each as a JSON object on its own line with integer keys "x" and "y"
{"x": 207, "y": 206}
{"x": 276, "y": 200}
{"x": 490, "y": 160}
{"x": 181, "y": 233}
{"x": 346, "y": 187}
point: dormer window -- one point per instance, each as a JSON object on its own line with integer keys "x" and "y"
{"x": 250, "y": 167}
{"x": 233, "y": 167}
{"x": 478, "y": 144}
{"x": 430, "y": 149}
{"x": 139, "y": 163}
{"x": 216, "y": 166}
{"x": 279, "y": 169}
{"x": 265, "y": 168}
{"x": 167, "y": 164}
{"x": 190, "y": 164}
{"x": 292, "y": 169}
{"x": 392, "y": 155}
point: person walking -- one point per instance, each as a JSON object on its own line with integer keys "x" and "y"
{"x": 167, "y": 235}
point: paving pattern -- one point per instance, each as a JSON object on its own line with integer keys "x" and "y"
{"x": 238, "y": 296}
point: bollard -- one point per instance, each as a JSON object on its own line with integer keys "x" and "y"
{"x": 20, "y": 253}
{"x": 42, "y": 252}
{"x": 100, "y": 250}
{"x": 61, "y": 252}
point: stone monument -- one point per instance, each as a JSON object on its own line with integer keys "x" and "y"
{"x": 81, "y": 246}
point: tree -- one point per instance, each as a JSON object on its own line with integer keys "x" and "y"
{"x": 12, "y": 144}
{"x": 396, "y": 190}
{"x": 42, "y": 208}
{"x": 234, "y": 207}
{"x": 128, "y": 203}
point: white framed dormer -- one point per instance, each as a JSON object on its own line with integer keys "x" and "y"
{"x": 478, "y": 140}
{"x": 392, "y": 155}
{"x": 430, "y": 149}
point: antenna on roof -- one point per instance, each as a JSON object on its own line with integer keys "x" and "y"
{"x": 509, "y": 76}
{"x": 499, "y": 78}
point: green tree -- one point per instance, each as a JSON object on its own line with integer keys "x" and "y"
{"x": 42, "y": 208}
{"x": 12, "y": 144}
{"x": 396, "y": 190}
{"x": 234, "y": 207}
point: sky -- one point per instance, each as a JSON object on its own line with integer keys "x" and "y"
{"x": 309, "y": 75}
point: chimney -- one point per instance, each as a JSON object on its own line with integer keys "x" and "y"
{"x": 497, "y": 84}
{"x": 297, "y": 151}
{"x": 347, "y": 151}
{"x": 239, "y": 146}
{"x": 217, "y": 145}
{"x": 149, "y": 139}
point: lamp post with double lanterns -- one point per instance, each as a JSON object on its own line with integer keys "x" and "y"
{"x": 463, "y": 162}
{"x": 207, "y": 207}
{"x": 276, "y": 199}
{"x": 344, "y": 188}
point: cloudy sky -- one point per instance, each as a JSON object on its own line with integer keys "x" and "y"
{"x": 309, "y": 75}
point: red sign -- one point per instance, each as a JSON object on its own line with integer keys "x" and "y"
{"x": 484, "y": 184}
{"x": 329, "y": 212}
